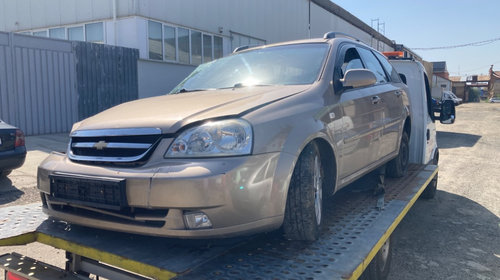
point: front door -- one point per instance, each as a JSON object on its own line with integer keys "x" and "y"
{"x": 362, "y": 122}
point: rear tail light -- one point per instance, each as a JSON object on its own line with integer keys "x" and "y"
{"x": 12, "y": 276}
{"x": 20, "y": 141}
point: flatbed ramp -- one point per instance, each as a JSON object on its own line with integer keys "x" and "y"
{"x": 354, "y": 231}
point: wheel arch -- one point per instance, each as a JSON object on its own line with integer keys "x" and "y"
{"x": 329, "y": 164}
{"x": 407, "y": 126}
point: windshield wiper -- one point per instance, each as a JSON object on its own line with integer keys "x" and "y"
{"x": 182, "y": 90}
{"x": 241, "y": 85}
{"x": 189, "y": 90}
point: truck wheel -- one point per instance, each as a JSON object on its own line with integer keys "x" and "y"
{"x": 431, "y": 189}
{"x": 5, "y": 173}
{"x": 399, "y": 165}
{"x": 304, "y": 205}
{"x": 379, "y": 267}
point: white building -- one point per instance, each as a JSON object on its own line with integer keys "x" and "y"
{"x": 176, "y": 35}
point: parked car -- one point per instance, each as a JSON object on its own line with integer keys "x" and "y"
{"x": 436, "y": 105}
{"x": 12, "y": 148}
{"x": 249, "y": 142}
{"x": 448, "y": 95}
{"x": 495, "y": 100}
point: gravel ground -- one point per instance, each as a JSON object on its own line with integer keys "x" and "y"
{"x": 453, "y": 236}
{"x": 456, "y": 235}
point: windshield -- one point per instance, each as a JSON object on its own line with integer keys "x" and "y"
{"x": 282, "y": 65}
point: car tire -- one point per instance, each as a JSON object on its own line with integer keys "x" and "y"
{"x": 379, "y": 267}
{"x": 431, "y": 189}
{"x": 398, "y": 166}
{"x": 5, "y": 173}
{"x": 304, "y": 205}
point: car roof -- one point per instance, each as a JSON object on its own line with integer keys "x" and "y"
{"x": 304, "y": 41}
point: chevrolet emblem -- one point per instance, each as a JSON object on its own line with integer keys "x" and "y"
{"x": 100, "y": 145}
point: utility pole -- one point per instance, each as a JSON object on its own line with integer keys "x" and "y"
{"x": 380, "y": 27}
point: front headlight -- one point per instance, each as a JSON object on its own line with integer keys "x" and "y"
{"x": 218, "y": 138}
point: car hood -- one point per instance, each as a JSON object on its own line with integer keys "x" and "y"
{"x": 173, "y": 111}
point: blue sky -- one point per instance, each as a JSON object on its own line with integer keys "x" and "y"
{"x": 427, "y": 23}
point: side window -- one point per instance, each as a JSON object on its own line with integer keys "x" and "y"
{"x": 373, "y": 64}
{"x": 352, "y": 60}
{"x": 430, "y": 104}
{"x": 388, "y": 67}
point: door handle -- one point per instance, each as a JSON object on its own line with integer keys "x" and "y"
{"x": 375, "y": 100}
{"x": 398, "y": 93}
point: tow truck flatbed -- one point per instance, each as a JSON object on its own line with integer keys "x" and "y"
{"x": 355, "y": 229}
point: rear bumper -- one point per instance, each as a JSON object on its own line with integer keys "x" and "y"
{"x": 12, "y": 159}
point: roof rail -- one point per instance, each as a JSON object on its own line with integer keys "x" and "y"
{"x": 242, "y": 48}
{"x": 333, "y": 34}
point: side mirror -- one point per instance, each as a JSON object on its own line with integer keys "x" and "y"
{"x": 355, "y": 78}
{"x": 447, "y": 112}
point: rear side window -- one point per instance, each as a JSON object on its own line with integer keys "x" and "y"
{"x": 388, "y": 68}
{"x": 374, "y": 65}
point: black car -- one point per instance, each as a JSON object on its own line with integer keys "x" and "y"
{"x": 12, "y": 148}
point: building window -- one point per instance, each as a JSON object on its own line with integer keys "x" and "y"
{"x": 76, "y": 33}
{"x": 195, "y": 47}
{"x": 40, "y": 33}
{"x": 91, "y": 32}
{"x": 217, "y": 47}
{"x": 155, "y": 48}
{"x": 182, "y": 45}
{"x": 183, "y": 42}
{"x": 94, "y": 32}
{"x": 238, "y": 40}
{"x": 170, "y": 51}
{"x": 57, "y": 33}
{"x": 207, "y": 48}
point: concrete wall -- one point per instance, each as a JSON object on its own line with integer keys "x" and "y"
{"x": 31, "y": 14}
{"x": 272, "y": 21}
{"x": 458, "y": 88}
{"x": 439, "y": 84}
{"x": 157, "y": 78}
{"x": 323, "y": 21}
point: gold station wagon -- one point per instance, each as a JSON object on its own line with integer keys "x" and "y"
{"x": 247, "y": 143}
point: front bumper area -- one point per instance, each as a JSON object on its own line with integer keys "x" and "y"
{"x": 240, "y": 195}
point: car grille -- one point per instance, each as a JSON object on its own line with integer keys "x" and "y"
{"x": 113, "y": 146}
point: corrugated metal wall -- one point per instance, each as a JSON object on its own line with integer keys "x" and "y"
{"x": 37, "y": 83}
{"x": 106, "y": 75}
{"x": 46, "y": 85}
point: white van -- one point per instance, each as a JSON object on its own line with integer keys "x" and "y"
{"x": 423, "y": 144}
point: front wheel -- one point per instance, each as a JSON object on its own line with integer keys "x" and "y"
{"x": 398, "y": 167}
{"x": 304, "y": 205}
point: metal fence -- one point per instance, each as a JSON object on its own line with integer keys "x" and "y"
{"x": 46, "y": 85}
{"x": 106, "y": 76}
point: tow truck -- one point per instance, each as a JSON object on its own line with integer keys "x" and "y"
{"x": 355, "y": 241}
